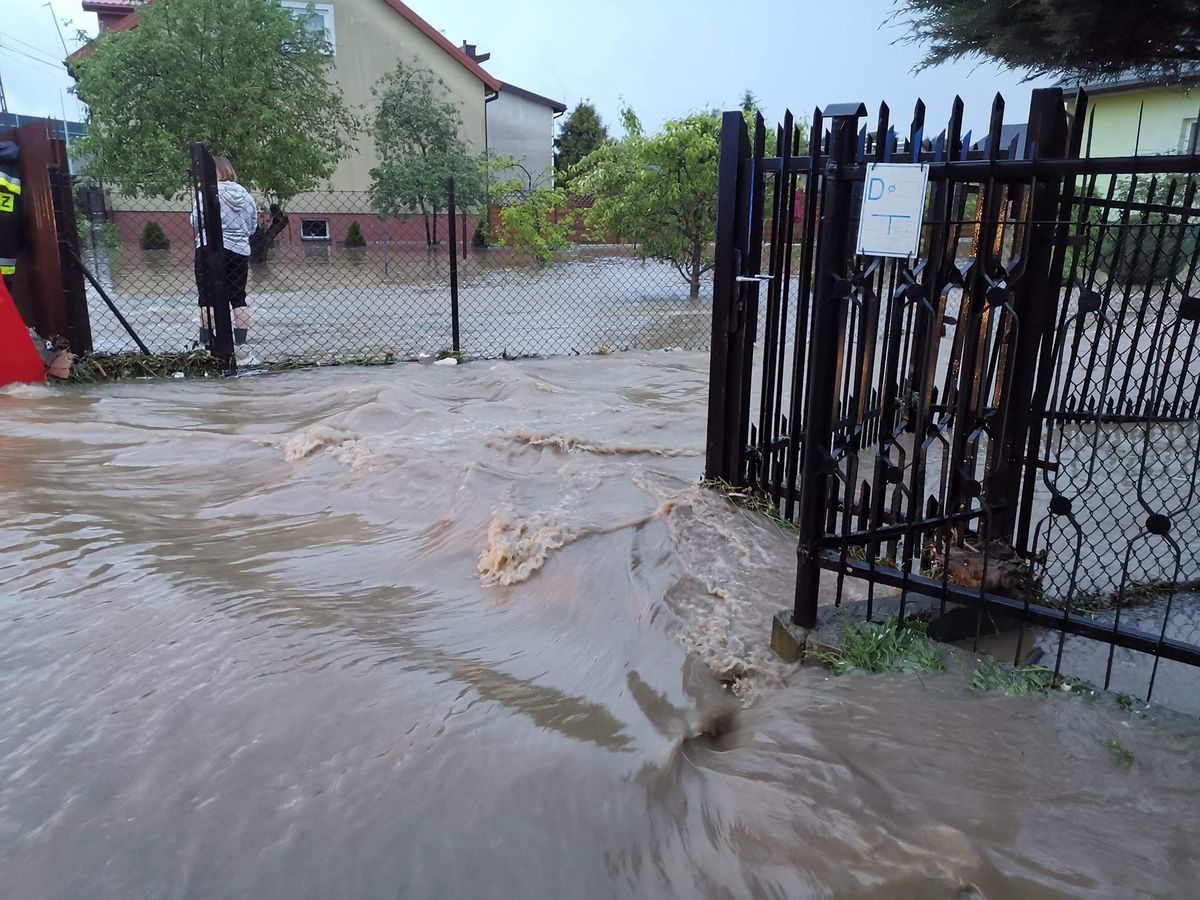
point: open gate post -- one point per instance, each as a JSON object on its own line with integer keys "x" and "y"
{"x": 940, "y": 427}
{"x": 48, "y": 287}
{"x": 214, "y": 290}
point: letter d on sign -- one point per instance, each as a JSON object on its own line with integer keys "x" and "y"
{"x": 875, "y": 189}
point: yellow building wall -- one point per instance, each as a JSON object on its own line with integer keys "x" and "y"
{"x": 1164, "y": 112}
{"x": 369, "y": 39}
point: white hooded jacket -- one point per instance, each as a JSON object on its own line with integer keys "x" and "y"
{"x": 239, "y": 217}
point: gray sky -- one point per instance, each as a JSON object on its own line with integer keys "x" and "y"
{"x": 35, "y": 83}
{"x": 663, "y": 57}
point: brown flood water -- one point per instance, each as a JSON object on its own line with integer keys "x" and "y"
{"x": 457, "y": 632}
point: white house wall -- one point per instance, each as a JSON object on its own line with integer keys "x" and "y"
{"x": 523, "y": 129}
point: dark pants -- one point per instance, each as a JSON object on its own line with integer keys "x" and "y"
{"x": 237, "y": 270}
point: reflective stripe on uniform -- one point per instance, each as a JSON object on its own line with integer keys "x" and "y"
{"x": 7, "y": 266}
{"x": 11, "y": 182}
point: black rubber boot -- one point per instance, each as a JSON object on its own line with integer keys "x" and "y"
{"x": 239, "y": 335}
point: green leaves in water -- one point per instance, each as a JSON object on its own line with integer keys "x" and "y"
{"x": 1119, "y": 752}
{"x": 997, "y": 677}
{"x": 888, "y": 646}
{"x": 1001, "y": 678}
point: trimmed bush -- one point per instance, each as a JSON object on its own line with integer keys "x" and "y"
{"x": 354, "y": 237}
{"x": 153, "y": 237}
{"x": 480, "y": 238}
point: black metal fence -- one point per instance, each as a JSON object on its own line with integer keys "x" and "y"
{"x": 337, "y": 282}
{"x": 1002, "y": 430}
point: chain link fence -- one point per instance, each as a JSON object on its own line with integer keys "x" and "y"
{"x": 1126, "y": 393}
{"x": 337, "y": 282}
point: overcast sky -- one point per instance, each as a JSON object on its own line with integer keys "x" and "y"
{"x": 663, "y": 57}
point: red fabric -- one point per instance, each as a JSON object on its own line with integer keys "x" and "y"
{"x": 19, "y": 359}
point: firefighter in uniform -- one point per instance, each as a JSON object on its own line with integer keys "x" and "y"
{"x": 10, "y": 207}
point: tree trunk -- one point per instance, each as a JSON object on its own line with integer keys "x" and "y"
{"x": 694, "y": 272}
{"x": 428, "y": 233}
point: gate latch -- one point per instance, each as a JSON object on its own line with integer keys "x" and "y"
{"x": 754, "y": 278}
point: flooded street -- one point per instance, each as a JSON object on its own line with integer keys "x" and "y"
{"x": 475, "y": 632}
{"x": 398, "y": 302}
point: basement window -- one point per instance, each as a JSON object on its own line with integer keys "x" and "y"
{"x": 314, "y": 229}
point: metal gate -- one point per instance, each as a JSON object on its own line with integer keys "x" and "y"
{"x": 48, "y": 286}
{"x": 1004, "y": 428}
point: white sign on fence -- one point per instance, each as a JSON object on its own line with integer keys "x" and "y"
{"x": 893, "y": 209}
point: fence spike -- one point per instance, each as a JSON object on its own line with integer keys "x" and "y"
{"x": 815, "y": 132}
{"x": 954, "y": 128}
{"x": 1075, "y": 137}
{"x": 916, "y": 131}
{"x": 995, "y": 126}
{"x": 881, "y": 127}
{"x": 1137, "y": 142}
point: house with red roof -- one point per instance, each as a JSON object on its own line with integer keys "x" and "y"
{"x": 367, "y": 38}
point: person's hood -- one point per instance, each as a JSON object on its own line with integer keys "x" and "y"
{"x": 234, "y": 196}
{"x": 9, "y": 152}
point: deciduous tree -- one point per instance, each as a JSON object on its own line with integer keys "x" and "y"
{"x": 244, "y": 77}
{"x": 533, "y": 220}
{"x": 658, "y": 192}
{"x": 417, "y": 140}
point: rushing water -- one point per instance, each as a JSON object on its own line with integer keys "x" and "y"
{"x": 476, "y": 632}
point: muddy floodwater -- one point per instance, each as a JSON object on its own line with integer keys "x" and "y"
{"x": 475, "y": 632}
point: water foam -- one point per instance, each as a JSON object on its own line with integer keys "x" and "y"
{"x": 515, "y": 549}
{"x": 307, "y": 441}
{"x": 25, "y": 391}
{"x": 565, "y": 443}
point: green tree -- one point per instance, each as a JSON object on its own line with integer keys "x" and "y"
{"x": 153, "y": 237}
{"x": 580, "y": 134}
{"x": 243, "y": 77}
{"x": 417, "y": 140}
{"x": 354, "y": 236}
{"x": 658, "y": 192}
{"x": 1058, "y": 37}
{"x": 532, "y": 220}
{"x": 750, "y": 105}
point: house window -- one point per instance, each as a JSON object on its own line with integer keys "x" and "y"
{"x": 317, "y": 17}
{"x": 314, "y": 229}
{"x": 1189, "y": 140}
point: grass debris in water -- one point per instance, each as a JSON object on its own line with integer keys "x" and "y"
{"x": 93, "y": 367}
{"x": 992, "y": 675}
{"x": 1119, "y": 752}
{"x": 750, "y": 499}
{"x": 888, "y": 646}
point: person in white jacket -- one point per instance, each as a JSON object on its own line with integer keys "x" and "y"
{"x": 239, "y": 219}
